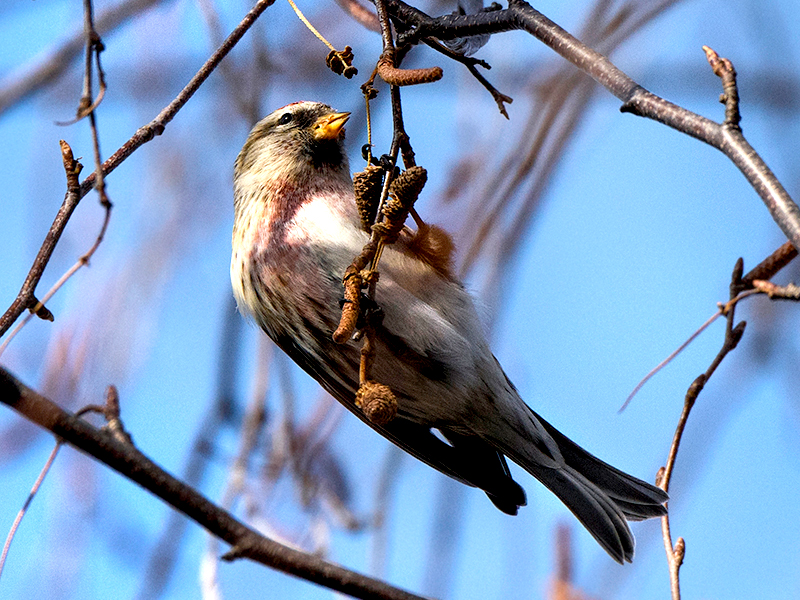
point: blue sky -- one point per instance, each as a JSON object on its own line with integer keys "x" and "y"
{"x": 632, "y": 248}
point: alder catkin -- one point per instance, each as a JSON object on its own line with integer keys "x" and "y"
{"x": 367, "y": 185}
{"x": 377, "y": 402}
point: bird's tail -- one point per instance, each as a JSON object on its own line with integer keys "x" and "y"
{"x": 601, "y": 497}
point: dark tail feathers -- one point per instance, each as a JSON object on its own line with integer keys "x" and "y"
{"x": 601, "y": 497}
{"x": 637, "y": 499}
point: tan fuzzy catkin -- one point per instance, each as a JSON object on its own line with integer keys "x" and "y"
{"x": 377, "y": 402}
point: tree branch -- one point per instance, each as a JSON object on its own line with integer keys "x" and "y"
{"x": 637, "y": 100}
{"x": 26, "y": 299}
{"x": 245, "y": 542}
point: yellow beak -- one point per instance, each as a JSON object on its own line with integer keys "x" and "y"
{"x": 330, "y": 126}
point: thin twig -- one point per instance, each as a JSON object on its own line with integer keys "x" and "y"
{"x": 499, "y": 98}
{"x": 471, "y": 64}
{"x": 26, "y": 299}
{"x": 72, "y": 168}
{"x": 733, "y": 334}
{"x": 94, "y": 46}
{"x": 755, "y": 282}
{"x": 668, "y": 360}
{"x": 723, "y": 309}
{"x": 740, "y": 287}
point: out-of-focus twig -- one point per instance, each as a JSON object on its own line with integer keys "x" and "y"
{"x": 361, "y": 13}
{"x": 255, "y": 418}
{"x": 445, "y": 537}
{"x": 390, "y": 472}
{"x": 221, "y": 411}
{"x": 55, "y": 61}
{"x": 503, "y": 196}
{"x": 247, "y": 99}
{"x": 18, "y": 519}
{"x": 562, "y": 586}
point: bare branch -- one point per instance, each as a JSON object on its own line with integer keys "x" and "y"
{"x": 636, "y": 99}
{"x": 733, "y": 334}
{"x": 128, "y": 461}
{"x": 25, "y": 298}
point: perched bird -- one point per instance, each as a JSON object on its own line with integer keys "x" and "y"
{"x": 297, "y": 229}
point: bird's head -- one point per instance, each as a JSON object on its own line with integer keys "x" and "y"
{"x": 300, "y": 142}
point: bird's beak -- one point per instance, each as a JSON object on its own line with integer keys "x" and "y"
{"x": 330, "y": 126}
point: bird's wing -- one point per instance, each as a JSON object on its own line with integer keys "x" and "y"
{"x": 465, "y": 458}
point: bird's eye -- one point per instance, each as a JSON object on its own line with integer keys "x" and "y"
{"x": 285, "y": 118}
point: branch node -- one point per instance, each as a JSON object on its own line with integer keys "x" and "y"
{"x": 111, "y": 412}
{"x": 660, "y": 477}
{"x": 235, "y": 553}
{"x": 41, "y": 311}
{"x": 72, "y": 167}
{"x": 736, "y": 335}
{"x": 694, "y": 390}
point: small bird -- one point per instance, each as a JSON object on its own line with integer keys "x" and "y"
{"x": 296, "y": 231}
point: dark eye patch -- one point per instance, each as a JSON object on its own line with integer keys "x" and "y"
{"x": 285, "y": 118}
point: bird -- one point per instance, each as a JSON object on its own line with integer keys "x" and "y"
{"x": 297, "y": 229}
